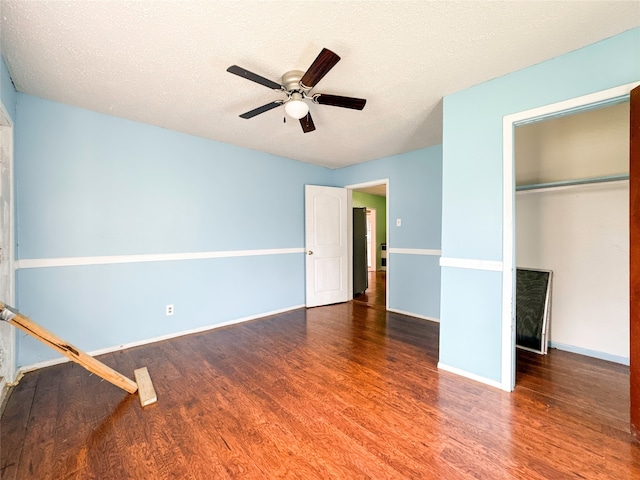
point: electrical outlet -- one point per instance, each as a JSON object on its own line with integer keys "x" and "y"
{"x": 169, "y": 310}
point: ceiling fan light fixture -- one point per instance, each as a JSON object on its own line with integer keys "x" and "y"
{"x": 297, "y": 86}
{"x": 296, "y": 107}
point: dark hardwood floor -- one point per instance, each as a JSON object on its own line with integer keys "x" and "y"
{"x": 339, "y": 392}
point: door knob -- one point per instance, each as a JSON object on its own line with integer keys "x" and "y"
{"x": 310, "y": 252}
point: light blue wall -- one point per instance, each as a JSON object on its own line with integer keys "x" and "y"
{"x": 415, "y": 284}
{"x": 100, "y": 306}
{"x": 472, "y": 185}
{"x": 92, "y": 184}
{"x": 415, "y": 196}
{"x": 7, "y": 92}
{"x": 89, "y": 184}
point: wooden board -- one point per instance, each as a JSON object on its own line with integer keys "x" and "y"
{"x": 146, "y": 392}
{"x": 68, "y": 350}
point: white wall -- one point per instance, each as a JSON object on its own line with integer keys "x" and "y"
{"x": 586, "y": 145}
{"x": 581, "y": 233}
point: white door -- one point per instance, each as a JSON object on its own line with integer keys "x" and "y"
{"x": 7, "y": 334}
{"x": 327, "y": 255}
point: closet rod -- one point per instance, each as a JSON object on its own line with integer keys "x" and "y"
{"x": 568, "y": 183}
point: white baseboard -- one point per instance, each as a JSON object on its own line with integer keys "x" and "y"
{"x": 469, "y": 375}
{"x": 411, "y": 314}
{"x": 590, "y": 353}
{"x": 56, "y": 361}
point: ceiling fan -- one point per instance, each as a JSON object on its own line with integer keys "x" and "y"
{"x": 297, "y": 85}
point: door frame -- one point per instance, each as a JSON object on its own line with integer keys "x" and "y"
{"x": 6, "y": 123}
{"x": 509, "y": 122}
{"x": 351, "y": 188}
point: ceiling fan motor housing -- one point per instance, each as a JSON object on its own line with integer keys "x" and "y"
{"x": 291, "y": 80}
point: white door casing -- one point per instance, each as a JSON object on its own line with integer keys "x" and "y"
{"x": 327, "y": 246}
{"x": 7, "y": 332}
{"x": 358, "y": 186}
{"x": 509, "y": 122}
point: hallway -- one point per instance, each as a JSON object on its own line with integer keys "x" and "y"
{"x": 376, "y": 293}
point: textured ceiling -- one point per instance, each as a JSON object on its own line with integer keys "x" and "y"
{"x": 164, "y": 62}
{"x": 379, "y": 190}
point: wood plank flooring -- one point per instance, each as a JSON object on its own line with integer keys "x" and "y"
{"x": 376, "y": 292}
{"x": 340, "y": 392}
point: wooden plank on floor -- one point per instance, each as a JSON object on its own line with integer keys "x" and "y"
{"x": 145, "y": 388}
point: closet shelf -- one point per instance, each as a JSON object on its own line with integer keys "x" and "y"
{"x": 569, "y": 183}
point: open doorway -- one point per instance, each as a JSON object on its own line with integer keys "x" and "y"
{"x": 372, "y": 198}
{"x": 572, "y": 218}
{"x": 510, "y": 122}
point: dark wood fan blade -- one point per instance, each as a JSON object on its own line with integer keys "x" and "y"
{"x": 254, "y": 77}
{"x": 262, "y": 109}
{"x": 338, "y": 101}
{"x": 324, "y": 62}
{"x": 307, "y": 123}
